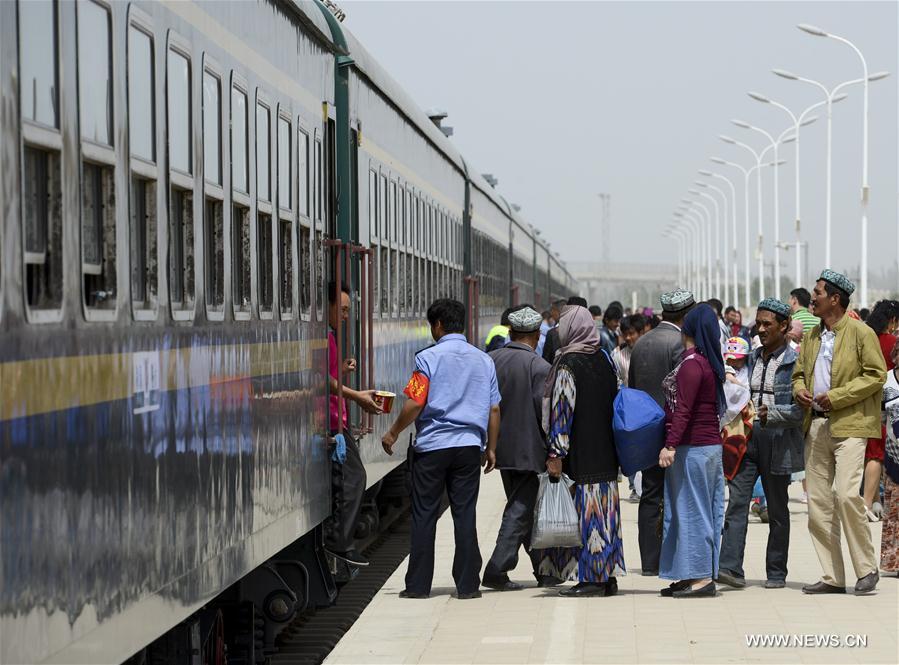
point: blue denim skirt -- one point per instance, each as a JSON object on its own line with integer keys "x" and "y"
{"x": 694, "y": 514}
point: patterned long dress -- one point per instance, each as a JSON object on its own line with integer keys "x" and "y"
{"x": 602, "y": 554}
{"x": 889, "y": 537}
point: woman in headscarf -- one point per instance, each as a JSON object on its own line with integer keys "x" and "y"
{"x": 694, "y": 480}
{"x": 577, "y": 413}
{"x": 889, "y": 539}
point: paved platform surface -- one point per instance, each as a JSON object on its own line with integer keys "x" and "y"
{"x": 637, "y": 626}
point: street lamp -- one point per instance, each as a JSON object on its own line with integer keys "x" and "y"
{"x": 775, "y": 144}
{"x": 681, "y": 236}
{"x": 830, "y": 97}
{"x": 733, "y": 232}
{"x": 798, "y": 121}
{"x": 705, "y": 223}
{"x": 696, "y": 228}
{"x": 707, "y": 214}
{"x": 701, "y": 183}
{"x": 818, "y": 32}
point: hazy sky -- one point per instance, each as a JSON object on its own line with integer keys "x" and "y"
{"x": 562, "y": 100}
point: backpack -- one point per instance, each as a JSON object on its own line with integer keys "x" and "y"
{"x": 638, "y": 423}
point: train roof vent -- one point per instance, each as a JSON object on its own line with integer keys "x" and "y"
{"x": 491, "y": 179}
{"x": 437, "y": 116}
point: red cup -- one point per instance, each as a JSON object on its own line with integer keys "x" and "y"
{"x": 385, "y": 399}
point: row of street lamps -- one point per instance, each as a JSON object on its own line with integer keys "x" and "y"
{"x": 692, "y": 226}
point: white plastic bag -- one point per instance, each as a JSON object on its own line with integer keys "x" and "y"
{"x": 556, "y": 522}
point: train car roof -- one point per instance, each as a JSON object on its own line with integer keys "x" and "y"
{"x": 365, "y": 63}
{"x": 308, "y": 13}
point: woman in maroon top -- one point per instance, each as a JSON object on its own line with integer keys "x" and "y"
{"x": 883, "y": 319}
{"x": 694, "y": 480}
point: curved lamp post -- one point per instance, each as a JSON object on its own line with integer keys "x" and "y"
{"x": 733, "y": 232}
{"x": 830, "y": 98}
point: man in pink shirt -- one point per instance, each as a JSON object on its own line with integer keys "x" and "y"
{"x": 348, "y": 477}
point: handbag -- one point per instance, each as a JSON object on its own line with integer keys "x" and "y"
{"x": 638, "y": 424}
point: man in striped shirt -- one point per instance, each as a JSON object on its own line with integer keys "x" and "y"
{"x": 800, "y": 299}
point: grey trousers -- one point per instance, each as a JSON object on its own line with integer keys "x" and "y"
{"x": 515, "y": 529}
{"x": 347, "y": 490}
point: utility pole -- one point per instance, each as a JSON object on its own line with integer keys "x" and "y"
{"x": 605, "y": 226}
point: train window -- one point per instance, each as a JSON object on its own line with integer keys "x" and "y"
{"x": 94, "y": 72}
{"x": 384, "y": 251}
{"x": 42, "y": 215}
{"x": 181, "y": 248}
{"x": 319, "y": 247}
{"x": 410, "y": 257}
{"x": 213, "y": 194}
{"x": 285, "y": 218}
{"x": 303, "y": 172}
{"x": 241, "y": 260}
{"x": 39, "y": 92}
{"x": 264, "y": 261}
{"x": 394, "y": 243}
{"x": 98, "y": 196}
{"x": 212, "y": 128}
{"x": 141, "y": 98}
{"x": 143, "y": 202}
{"x": 382, "y": 207}
{"x": 285, "y": 256}
{"x": 305, "y": 248}
{"x": 239, "y": 171}
{"x": 372, "y": 204}
{"x": 179, "y": 112}
{"x": 144, "y": 259}
{"x": 214, "y": 228}
{"x": 263, "y": 144}
{"x": 285, "y": 194}
{"x": 41, "y": 160}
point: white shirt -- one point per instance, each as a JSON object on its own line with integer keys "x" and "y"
{"x": 823, "y": 364}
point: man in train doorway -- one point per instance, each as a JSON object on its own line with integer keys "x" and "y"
{"x": 348, "y": 476}
{"x": 453, "y": 398}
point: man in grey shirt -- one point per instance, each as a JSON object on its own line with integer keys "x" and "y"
{"x": 521, "y": 448}
{"x": 654, "y": 355}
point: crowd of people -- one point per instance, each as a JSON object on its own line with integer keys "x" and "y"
{"x": 807, "y": 391}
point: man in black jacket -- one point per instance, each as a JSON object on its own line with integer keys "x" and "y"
{"x": 654, "y": 355}
{"x": 521, "y": 448}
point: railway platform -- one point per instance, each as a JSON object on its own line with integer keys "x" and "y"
{"x": 636, "y": 626}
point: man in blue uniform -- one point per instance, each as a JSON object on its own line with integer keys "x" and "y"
{"x": 453, "y": 398}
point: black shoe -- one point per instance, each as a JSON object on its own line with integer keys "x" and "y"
{"x": 867, "y": 583}
{"x": 584, "y": 590}
{"x": 468, "y": 596}
{"x": 612, "y": 587}
{"x": 501, "y": 584}
{"x": 822, "y": 587}
{"x": 668, "y": 591}
{"x": 775, "y": 584}
{"x": 352, "y": 557}
{"x": 650, "y": 573}
{"x": 544, "y": 581}
{"x": 410, "y": 594}
{"x": 728, "y": 578}
{"x": 702, "y": 592}
{"x": 764, "y": 516}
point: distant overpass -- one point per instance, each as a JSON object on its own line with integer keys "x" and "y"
{"x": 630, "y": 283}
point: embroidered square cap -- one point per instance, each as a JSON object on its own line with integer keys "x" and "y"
{"x": 776, "y": 306}
{"x": 525, "y": 320}
{"x": 840, "y": 281}
{"x": 675, "y": 301}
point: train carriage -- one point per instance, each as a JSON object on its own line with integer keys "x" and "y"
{"x": 180, "y": 180}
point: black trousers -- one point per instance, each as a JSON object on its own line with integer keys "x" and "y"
{"x": 515, "y": 529}
{"x": 458, "y": 471}
{"x": 757, "y": 462}
{"x": 649, "y": 532}
{"x": 347, "y": 490}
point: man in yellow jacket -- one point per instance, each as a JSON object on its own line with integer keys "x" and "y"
{"x": 838, "y": 379}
